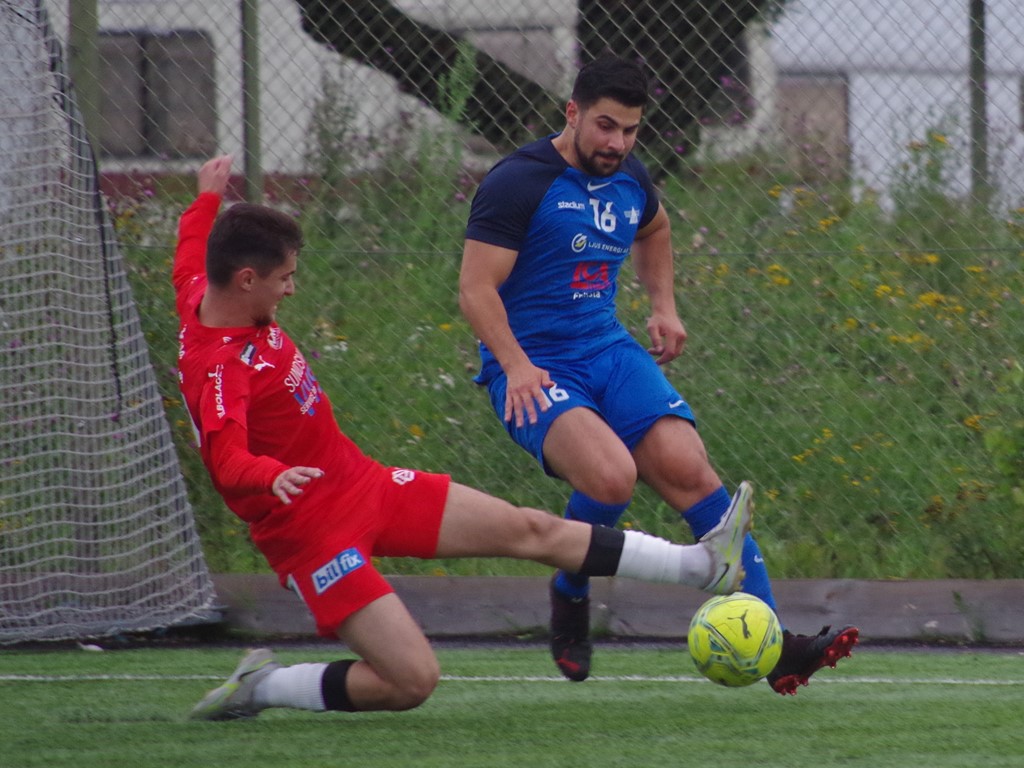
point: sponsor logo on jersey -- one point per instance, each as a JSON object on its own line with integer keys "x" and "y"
{"x": 633, "y": 215}
{"x": 275, "y": 338}
{"x": 610, "y": 248}
{"x": 579, "y": 242}
{"x": 402, "y": 476}
{"x": 590, "y": 276}
{"x": 334, "y": 570}
{"x": 592, "y": 187}
{"x": 217, "y": 374}
{"x": 571, "y": 205}
{"x": 303, "y": 385}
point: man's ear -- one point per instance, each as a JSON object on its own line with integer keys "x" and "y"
{"x": 244, "y": 279}
{"x": 572, "y": 114}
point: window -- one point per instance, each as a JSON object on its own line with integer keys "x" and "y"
{"x": 158, "y": 94}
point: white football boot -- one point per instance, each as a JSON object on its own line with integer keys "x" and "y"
{"x": 234, "y": 699}
{"x": 725, "y": 543}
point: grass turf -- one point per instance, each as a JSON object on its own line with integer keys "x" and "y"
{"x": 505, "y": 707}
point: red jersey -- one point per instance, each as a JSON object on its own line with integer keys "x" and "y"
{"x": 255, "y": 377}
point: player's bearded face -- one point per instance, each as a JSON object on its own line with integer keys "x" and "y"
{"x": 604, "y": 134}
{"x": 597, "y": 162}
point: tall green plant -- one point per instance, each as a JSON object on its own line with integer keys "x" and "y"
{"x": 329, "y": 150}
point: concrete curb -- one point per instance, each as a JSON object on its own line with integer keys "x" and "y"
{"x": 947, "y": 611}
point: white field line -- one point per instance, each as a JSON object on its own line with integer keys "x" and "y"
{"x": 524, "y": 679}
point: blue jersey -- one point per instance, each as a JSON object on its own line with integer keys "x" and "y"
{"x": 572, "y": 233}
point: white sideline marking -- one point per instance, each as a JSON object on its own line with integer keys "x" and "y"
{"x": 521, "y": 679}
{"x": 103, "y": 678}
{"x": 694, "y": 679}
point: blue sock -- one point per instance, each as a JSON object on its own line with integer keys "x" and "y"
{"x": 582, "y": 507}
{"x": 705, "y": 515}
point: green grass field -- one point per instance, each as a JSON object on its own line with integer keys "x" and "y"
{"x": 504, "y": 707}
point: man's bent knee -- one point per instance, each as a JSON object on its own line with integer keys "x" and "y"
{"x": 609, "y": 487}
{"x": 414, "y": 689}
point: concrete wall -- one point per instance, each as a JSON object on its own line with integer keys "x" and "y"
{"x": 959, "y": 611}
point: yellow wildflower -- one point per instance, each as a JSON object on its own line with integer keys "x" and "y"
{"x": 973, "y": 422}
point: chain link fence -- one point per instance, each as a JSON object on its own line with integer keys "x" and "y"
{"x": 845, "y": 180}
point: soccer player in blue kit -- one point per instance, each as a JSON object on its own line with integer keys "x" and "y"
{"x": 549, "y": 229}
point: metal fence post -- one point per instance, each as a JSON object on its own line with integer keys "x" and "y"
{"x": 977, "y": 84}
{"x": 83, "y": 61}
{"x": 253, "y": 167}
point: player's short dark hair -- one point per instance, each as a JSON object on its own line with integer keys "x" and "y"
{"x": 613, "y": 77}
{"x": 248, "y": 235}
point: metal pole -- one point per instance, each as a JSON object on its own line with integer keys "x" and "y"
{"x": 83, "y": 62}
{"x": 252, "y": 150}
{"x": 978, "y": 86}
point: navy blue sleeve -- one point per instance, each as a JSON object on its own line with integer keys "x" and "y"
{"x": 507, "y": 198}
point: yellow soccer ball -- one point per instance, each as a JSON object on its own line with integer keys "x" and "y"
{"x": 735, "y": 640}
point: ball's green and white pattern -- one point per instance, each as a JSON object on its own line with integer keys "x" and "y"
{"x": 735, "y": 640}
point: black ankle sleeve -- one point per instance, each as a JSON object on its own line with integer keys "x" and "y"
{"x": 604, "y": 553}
{"x": 333, "y": 686}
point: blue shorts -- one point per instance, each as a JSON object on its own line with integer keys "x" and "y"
{"x": 622, "y": 384}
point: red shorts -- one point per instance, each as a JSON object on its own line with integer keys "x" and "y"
{"x": 398, "y": 517}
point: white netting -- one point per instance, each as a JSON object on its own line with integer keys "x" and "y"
{"x": 96, "y": 532}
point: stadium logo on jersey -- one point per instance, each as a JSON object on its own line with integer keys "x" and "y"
{"x": 579, "y": 243}
{"x": 402, "y": 476}
{"x": 571, "y": 205}
{"x": 590, "y": 277}
{"x": 333, "y": 571}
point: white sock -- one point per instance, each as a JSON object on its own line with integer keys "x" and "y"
{"x": 297, "y": 686}
{"x": 649, "y": 558}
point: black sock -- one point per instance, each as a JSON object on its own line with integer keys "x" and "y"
{"x": 333, "y": 686}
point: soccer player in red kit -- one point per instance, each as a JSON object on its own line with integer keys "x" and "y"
{"x": 319, "y": 509}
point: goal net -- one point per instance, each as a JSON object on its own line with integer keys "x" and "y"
{"x": 96, "y": 533}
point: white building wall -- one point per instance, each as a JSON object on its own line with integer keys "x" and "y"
{"x": 291, "y": 64}
{"x": 906, "y": 62}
